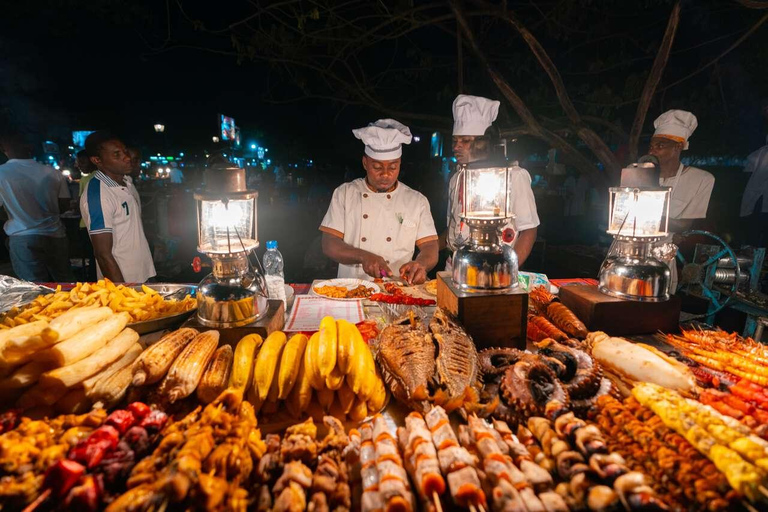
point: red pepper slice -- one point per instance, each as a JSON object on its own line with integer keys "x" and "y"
{"x": 61, "y": 476}
{"x": 122, "y": 420}
{"x": 139, "y": 409}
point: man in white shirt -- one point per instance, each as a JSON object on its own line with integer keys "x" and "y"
{"x": 111, "y": 210}
{"x": 691, "y": 186}
{"x": 34, "y": 195}
{"x": 374, "y": 223}
{"x": 473, "y": 117}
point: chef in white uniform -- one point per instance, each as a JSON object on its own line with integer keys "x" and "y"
{"x": 691, "y": 186}
{"x": 473, "y": 117}
{"x": 374, "y": 223}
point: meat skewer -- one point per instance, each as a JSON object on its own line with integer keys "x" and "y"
{"x": 371, "y": 499}
{"x": 393, "y": 479}
{"x": 421, "y": 459}
{"x": 455, "y": 462}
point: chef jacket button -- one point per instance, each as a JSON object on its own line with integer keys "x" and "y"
{"x": 365, "y": 195}
{"x": 365, "y": 215}
{"x": 364, "y": 239}
{"x": 389, "y": 196}
{"x": 389, "y": 239}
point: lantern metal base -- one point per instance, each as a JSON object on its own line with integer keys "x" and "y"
{"x": 632, "y": 273}
{"x": 491, "y": 269}
{"x": 233, "y": 295}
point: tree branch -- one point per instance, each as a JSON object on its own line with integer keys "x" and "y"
{"x": 752, "y": 4}
{"x": 586, "y": 166}
{"x": 654, "y": 77}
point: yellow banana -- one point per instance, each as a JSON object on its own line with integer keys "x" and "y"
{"x": 379, "y": 397}
{"x": 359, "y": 411}
{"x": 300, "y": 395}
{"x": 266, "y": 363}
{"x": 346, "y": 398}
{"x": 327, "y": 347}
{"x": 335, "y": 379}
{"x": 290, "y": 362}
{"x": 242, "y": 364}
{"x": 356, "y": 369}
{"x": 325, "y": 398}
{"x": 310, "y": 363}
{"x": 253, "y": 397}
{"x": 366, "y": 370}
{"x": 273, "y": 391}
{"x": 346, "y": 353}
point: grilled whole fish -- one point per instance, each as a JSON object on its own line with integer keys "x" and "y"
{"x": 406, "y": 355}
{"x": 457, "y": 362}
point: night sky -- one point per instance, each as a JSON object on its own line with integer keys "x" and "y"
{"x": 91, "y": 65}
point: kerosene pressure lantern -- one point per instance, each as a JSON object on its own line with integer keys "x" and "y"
{"x": 234, "y": 294}
{"x": 484, "y": 263}
{"x": 638, "y": 218}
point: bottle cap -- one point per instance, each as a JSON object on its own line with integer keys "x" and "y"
{"x": 272, "y": 244}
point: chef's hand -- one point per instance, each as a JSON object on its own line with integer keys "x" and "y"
{"x": 413, "y": 272}
{"x": 375, "y": 266}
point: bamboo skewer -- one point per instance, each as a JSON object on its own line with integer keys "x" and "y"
{"x": 436, "y": 501}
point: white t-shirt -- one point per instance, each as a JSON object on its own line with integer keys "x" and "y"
{"x": 691, "y": 189}
{"x": 110, "y": 207}
{"x": 388, "y": 224}
{"x": 30, "y": 193}
{"x": 523, "y": 207}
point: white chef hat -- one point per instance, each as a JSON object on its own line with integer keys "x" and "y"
{"x": 472, "y": 115}
{"x": 677, "y": 125}
{"x": 384, "y": 139}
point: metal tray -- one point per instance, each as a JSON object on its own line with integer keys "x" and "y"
{"x": 177, "y": 291}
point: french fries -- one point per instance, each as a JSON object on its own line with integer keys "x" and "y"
{"x": 142, "y": 305}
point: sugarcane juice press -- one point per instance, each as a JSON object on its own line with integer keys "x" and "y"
{"x": 482, "y": 290}
{"x": 633, "y": 295}
{"x": 233, "y": 297}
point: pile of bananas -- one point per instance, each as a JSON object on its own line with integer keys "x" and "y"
{"x": 335, "y": 366}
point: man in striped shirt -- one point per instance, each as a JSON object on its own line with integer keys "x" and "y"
{"x": 111, "y": 209}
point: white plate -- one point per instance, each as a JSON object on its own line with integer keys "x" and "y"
{"x": 349, "y": 284}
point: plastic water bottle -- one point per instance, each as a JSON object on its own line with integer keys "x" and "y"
{"x": 273, "y": 270}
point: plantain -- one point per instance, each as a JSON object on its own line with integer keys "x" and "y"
{"x": 310, "y": 363}
{"x": 266, "y": 363}
{"x": 301, "y": 394}
{"x": 242, "y": 365}
{"x": 369, "y": 369}
{"x": 358, "y": 369}
{"x": 327, "y": 346}
{"x": 290, "y": 363}
{"x": 335, "y": 379}
{"x": 325, "y": 398}
{"x": 346, "y": 398}
{"x": 379, "y": 397}
{"x": 336, "y": 410}
{"x": 359, "y": 410}
{"x": 253, "y": 397}
{"x": 347, "y": 332}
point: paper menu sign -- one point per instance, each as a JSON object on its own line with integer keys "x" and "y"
{"x": 308, "y": 311}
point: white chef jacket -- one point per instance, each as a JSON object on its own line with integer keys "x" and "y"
{"x": 110, "y": 207}
{"x": 523, "y": 207}
{"x": 388, "y": 224}
{"x": 691, "y": 189}
{"x": 757, "y": 186}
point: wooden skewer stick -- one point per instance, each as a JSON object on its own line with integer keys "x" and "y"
{"x": 472, "y": 508}
{"x": 39, "y": 501}
{"x": 763, "y": 490}
{"x": 436, "y": 501}
{"x": 747, "y": 506}
{"x": 482, "y": 508}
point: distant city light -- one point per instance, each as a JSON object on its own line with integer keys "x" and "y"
{"x": 416, "y": 138}
{"x": 50, "y": 157}
{"x": 159, "y": 128}
{"x": 67, "y": 173}
{"x": 56, "y": 166}
{"x": 215, "y": 139}
{"x": 253, "y": 146}
{"x": 181, "y": 154}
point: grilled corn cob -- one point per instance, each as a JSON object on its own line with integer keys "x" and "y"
{"x": 290, "y": 362}
{"x": 153, "y": 363}
{"x": 266, "y": 363}
{"x": 110, "y": 390}
{"x": 327, "y": 346}
{"x": 242, "y": 365}
{"x": 216, "y": 376}
{"x": 187, "y": 370}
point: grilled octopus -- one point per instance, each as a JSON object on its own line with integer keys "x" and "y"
{"x": 580, "y": 374}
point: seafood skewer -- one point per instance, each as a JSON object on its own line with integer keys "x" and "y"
{"x": 421, "y": 459}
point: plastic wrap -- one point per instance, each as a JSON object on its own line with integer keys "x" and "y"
{"x": 15, "y": 292}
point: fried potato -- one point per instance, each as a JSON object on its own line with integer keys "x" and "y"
{"x": 142, "y": 305}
